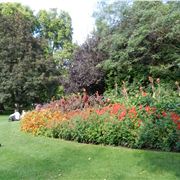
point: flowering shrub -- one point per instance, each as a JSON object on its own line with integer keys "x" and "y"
{"x": 75, "y": 102}
{"x": 35, "y": 121}
{"x": 140, "y": 121}
{"x": 115, "y": 124}
{"x": 142, "y": 127}
{"x": 40, "y": 120}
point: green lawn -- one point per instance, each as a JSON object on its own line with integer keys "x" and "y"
{"x": 23, "y": 156}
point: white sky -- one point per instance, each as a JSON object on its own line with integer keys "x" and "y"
{"x": 79, "y": 10}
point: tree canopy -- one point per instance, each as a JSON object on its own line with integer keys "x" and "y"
{"x": 84, "y": 71}
{"x": 131, "y": 41}
{"x": 144, "y": 40}
{"x": 56, "y": 27}
{"x": 28, "y": 73}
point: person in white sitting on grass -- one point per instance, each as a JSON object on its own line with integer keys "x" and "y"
{"x": 15, "y": 116}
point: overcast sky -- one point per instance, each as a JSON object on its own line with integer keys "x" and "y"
{"x": 79, "y": 10}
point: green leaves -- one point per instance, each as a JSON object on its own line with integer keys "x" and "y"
{"x": 146, "y": 35}
{"x": 55, "y": 27}
{"x": 27, "y": 75}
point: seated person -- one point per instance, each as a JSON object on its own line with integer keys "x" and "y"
{"x": 15, "y": 116}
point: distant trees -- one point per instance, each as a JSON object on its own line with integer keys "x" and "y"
{"x": 57, "y": 29}
{"x": 28, "y": 72}
{"x": 140, "y": 39}
{"x": 131, "y": 41}
{"x": 135, "y": 40}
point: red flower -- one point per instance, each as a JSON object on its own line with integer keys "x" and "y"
{"x": 164, "y": 114}
{"x": 144, "y": 93}
{"x": 132, "y": 112}
{"x": 175, "y": 117}
{"x": 122, "y": 115}
{"x": 178, "y": 126}
{"x": 153, "y": 109}
{"x": 148, "y": 109}
{"x": 140, "y": 107}
{"x": 100, "y": 112}
{"x": 115, "y": 108}
{"x": 85, "y": 98}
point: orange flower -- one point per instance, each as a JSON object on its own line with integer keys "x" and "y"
{"x": 115, "y": 108}
{"x": 144, "y": 94}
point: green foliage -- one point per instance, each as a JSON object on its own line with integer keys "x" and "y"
{"x": 138, "y": 118}
{"x": 154, "y": 133}
{"x": 56, "y": 28}
{"x": 27, "y": 75}
{"x": 162, "y": 96}
{"x": 158, "y": 134}
{"x": 59, "y": 92}
{"x": 8, "y": 9}
{"x": 35, "y": 50}
{"x": 140, "y": 39}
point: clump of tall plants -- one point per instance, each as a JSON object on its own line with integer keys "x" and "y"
{"x": 144, "y": 117}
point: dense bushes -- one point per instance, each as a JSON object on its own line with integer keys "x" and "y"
{"x": 116, "y": 125}
{"x": 131, "y": 118}
{"x": 35, "y": 121}
{"x": 135, "y": 127}
{"x": 139, "y": 39}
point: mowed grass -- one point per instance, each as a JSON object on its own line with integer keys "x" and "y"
{"x": 23, "y": 156}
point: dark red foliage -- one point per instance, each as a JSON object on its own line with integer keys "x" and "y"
{"x": 84, "y": 72}
{"x": 75, "y": 102}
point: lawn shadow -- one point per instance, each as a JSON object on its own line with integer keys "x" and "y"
{"x": 155, "y": 162}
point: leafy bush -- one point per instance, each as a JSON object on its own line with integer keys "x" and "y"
{"x": 115, "y": 124}
{"x": 38, "y": 121}
{"x": 159, "y": 132}
{"x": 139, "y": 119}
{"x": 75, "y": 102}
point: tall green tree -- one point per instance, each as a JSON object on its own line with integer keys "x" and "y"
{"x": 143, "y": 39}
{"x": 56, "y": 28}
{"x": 27, "y": 75}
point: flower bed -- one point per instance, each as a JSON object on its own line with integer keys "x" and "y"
{"x": 115, "y": 124}
{"x": 136, "y": 119}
